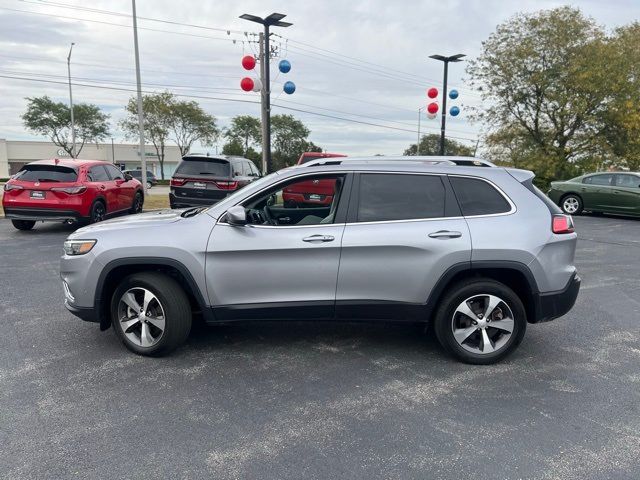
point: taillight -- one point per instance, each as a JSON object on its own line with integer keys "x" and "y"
{"x": 178, "y": 182}
{"x": 562, "y": 224}
{"x": 70, "y": 190}
{"x": 227, "y": 185}
{"x": 11, "y": 186}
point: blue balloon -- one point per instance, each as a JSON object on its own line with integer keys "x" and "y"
{"x": 289, "y": 87}
{"x": 453, "y": 94}
{"x": 284, "y": 66}
{"x": 454, "y": 111}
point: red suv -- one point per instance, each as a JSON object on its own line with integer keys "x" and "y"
{"x": 311, "y": 193}
{"x": 69, "y": 191}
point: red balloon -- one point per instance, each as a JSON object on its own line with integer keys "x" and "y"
{"x": 246, "y": 84}
{"x": 248, "y": 62}
{"x": 432, "y": 107}
{"x": 432, "y": 92}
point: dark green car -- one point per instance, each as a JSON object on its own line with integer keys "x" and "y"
{"x": 599, "y": 192}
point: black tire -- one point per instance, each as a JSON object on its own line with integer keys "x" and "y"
{"x": 23, "y": 224}
{"x": 149, "y": 185}
{"x": 138, "y": 202}
{"x": 175, "y": 306}
{"x": 574, "y": 200}
{"x": 98, "y": 212}
{"x": 444, "y": 318}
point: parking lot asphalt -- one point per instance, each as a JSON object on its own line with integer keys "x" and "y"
{"x": 320, "y": 400}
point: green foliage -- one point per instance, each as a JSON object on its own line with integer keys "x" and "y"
{"x": 289, "y": 140}
{"x": 556, "y": 92}
{"x": 189, "y": 123}
{"x": 430, "y": 145}
{"x": 53, "y": 119}
{"x": 245, "y": 130}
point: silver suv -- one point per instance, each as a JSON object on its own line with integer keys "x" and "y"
{"x": 476, "y": 252}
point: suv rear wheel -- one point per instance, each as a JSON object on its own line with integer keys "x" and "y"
{"x": 151, "y": 314}
{"x": 23, "y": 224}
{"x": 480, "y": 321}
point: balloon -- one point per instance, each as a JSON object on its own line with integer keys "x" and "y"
{"x": 246, "y": 84}
{"x": 257, "y": 85}
{"x": 431, "y": 115}
{"x": 284, "y": 66}
{"x": 454, "y": 111}
{"x": 453, "y": 94}
{"x": 432, "y": 92}
{"x": 248, "y": 62}
{"x": 432, "y": 108}
{"x": 289, "y": 87}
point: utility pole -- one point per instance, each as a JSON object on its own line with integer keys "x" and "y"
{"x": 265, "y": 109}
{"x": 275, "y": 19}
{"x": 143, "y": 158}
{"x": 419, "y": 118}
{"x": 73, "y": 124}
{"x": 446, "y": 60}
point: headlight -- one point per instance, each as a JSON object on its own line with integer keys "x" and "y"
{"x": 78, "y": 247}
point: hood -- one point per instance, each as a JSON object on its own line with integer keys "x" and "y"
{"x": 149, "y": 219}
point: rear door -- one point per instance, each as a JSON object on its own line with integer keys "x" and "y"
{"x": 104, "y": 186}
{"x": 404, "y": 230}
{"x": 626, "y": 193}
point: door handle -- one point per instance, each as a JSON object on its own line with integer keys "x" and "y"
{"x": 445, "y": 234}
{"x": 318, "y": 238}
{"x": 102, "y": 187}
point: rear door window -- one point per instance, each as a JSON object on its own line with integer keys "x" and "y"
{"x": 627, "y": 181}
{"x": 213, "y": 167}
{"x": 47, "y": 173}
{"x": 384, "y": 197}
{"x": 98, "y": 174}
{"x": 477, "y": 197}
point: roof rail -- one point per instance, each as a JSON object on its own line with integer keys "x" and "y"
{"x": 339, "y": 161}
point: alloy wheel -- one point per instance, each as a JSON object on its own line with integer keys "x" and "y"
{"x": 98, "y": 213}
{"x": 483, "y": 324}
{"x": 141, "y": 317}
{"x": 570, "y": 205}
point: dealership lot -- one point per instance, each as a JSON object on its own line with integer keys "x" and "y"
{"x": 320, "y": 400}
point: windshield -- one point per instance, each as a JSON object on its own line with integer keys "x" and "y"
{"x": 195, "y": 166}
{"x": 46, "y": 173}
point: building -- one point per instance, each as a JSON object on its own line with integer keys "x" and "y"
{"x": 15, "y": 154}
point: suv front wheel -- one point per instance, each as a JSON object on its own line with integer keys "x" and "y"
{"x": 151, "y": 314}
{"x": 480, "y": 321}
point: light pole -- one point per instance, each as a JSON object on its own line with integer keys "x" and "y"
{"x": 275, "y": 19}
{"x": 73, "y": 125}
{"x": 419, "y": 118}
{"x": 143, "y": 158}
{"x": 446, "y": 60}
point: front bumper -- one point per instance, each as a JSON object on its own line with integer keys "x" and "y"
{"x": 555, "y": 304}
{"x": 42, "y": 214}
{"x": 88, "y": 314}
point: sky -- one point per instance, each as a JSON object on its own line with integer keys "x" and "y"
{"x": 364, "y": 61}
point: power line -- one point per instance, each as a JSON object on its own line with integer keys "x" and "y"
{"x": 39, "y": 80}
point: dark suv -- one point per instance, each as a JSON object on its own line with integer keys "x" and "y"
{"x": 204, "y": 180}
{"x": 137, "y": 174}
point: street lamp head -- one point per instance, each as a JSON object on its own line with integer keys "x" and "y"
{"x": 272, "y": 20}
{"x": 438, "y": 57}
{"x": 452, "y": 58}
{"x": 252, "y": 18}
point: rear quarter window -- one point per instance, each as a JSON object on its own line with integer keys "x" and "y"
{"x": 478, "y": 197}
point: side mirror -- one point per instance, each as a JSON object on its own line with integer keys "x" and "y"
{"x": 237, "y": 216}
{"x": 127, "y": 177}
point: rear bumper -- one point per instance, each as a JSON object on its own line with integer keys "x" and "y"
{"x": 41, "y": 214}
{"x": 555, "y": 304}
{"x": 185, "y": 201}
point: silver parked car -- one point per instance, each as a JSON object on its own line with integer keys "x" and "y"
{"x": 479, "y": 252}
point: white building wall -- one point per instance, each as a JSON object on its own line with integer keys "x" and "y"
{"x": 14, "y": 154}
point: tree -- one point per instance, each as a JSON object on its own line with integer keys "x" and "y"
{"x": 289, "y": 140}
{"x": 245, "y": 130}
{"x": 156, "y": 110}
{"x": 189, "y": 123}
{"x": 430, "y": 145}
{"x": 53, "y": 119}
{"x": 545, "y": 83}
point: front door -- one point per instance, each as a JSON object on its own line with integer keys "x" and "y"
{"x": 283, "y": 263}
{"x": 597, "y": 192}
{"x": 397, "y": 244}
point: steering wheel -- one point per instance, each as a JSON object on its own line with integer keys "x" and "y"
{"x": 267, "y": 215}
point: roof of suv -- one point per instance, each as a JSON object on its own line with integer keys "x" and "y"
{"x": 201, "y": 156}
{"x": 67, "y": 162}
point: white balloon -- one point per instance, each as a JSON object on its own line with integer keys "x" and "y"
{"x": 432, "y": 115}
{"x": 257, "y": 85}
